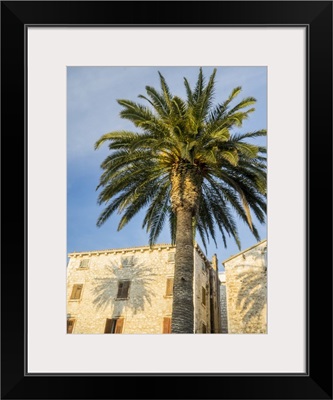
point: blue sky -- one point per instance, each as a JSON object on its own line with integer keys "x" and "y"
{"x": 92, "y": 110}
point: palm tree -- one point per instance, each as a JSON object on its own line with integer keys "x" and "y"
{"x": 184, "y": 165}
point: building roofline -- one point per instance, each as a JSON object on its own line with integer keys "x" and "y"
{"x": 244, "y": 251}
{"x": 135, "y": 248}
{"x": 202, "y": 254}
{"x": 121, "y": 249}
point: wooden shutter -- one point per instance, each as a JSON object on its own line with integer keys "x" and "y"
{"x": 70, "y": 325}
{"x": 169, "y": 287}
{"x": 108, "y": 325}
{"x": 119, "y": 325}
{"x": 166, "y": 325}
{"x": 76, "y": 292}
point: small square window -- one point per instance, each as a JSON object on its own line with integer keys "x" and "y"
{"x": 84, "y": 263}
{"x": 127, "y": 261}
{"x": 171, "y": 257}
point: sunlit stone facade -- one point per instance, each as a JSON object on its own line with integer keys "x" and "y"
{"x": 244, "y": 291}
{"x": 129, "y": 291}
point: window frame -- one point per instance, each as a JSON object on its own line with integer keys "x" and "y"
{"x": 171, "y": 257}
{"x": 114, "y": 325}
{"x": 73, "y": 296}
{"x": 84, "y": 260}
{"x": 169, "y": 286}
{"x": 127, "y": 261}
{"x": 73, "y": 320}
{"x": 120, "y": 294}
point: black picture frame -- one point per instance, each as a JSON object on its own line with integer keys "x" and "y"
{"x": 316, "y": 383}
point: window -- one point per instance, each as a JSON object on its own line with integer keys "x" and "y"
{"x": 114, "y": 325}
{"x": 70, "y": 325}
{"x": 76, "y": 292}
{"x": 203, "y": 266}
{"x": 123, "y": 287}
{"x": 167, "y": 325}
{"x": 171, "y": 257}
{"x": 169, "y": 287}
{"x": 126, "y": 261}
{"x": 203, "y": 296}
{"x": 204, "y": 328}
{"x": 84, "y": 263}
{"x": 264, "y": 251}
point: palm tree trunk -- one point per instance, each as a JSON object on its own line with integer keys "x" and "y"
{"x": 183, "y": 309}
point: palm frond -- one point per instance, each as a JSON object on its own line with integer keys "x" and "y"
{"x": 190, "y": 135}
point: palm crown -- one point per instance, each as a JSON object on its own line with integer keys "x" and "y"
{"x": 185, "y": 155}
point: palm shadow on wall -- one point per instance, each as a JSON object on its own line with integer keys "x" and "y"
{"x": 105, "y": 289}
{"x": 252, "y": 295}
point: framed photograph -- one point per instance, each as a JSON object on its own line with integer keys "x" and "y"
{"x": 44, "y": 44}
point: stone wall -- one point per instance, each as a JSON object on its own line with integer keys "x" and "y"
{"x": 246, "y": 290}
{"x": 215, "y": 301}
{"x": 201, "y": 294}
{"x": 223, "y": 303}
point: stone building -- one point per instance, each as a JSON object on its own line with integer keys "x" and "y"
{"x": 129, "y": 291}
{"x": 244, "y": 291}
